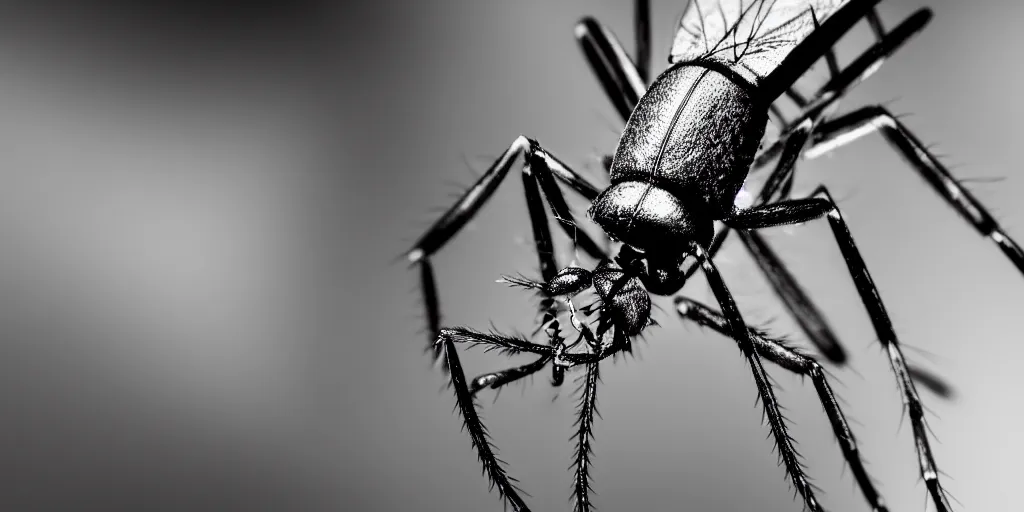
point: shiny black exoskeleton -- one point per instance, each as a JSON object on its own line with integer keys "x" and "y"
{"x": 688, "y": 145}
{"x": 679, "y": 165}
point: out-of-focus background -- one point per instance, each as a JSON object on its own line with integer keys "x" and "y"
{"x": 202, "y": 307}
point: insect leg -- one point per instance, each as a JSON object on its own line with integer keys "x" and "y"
{"x": 542, "y": 166}
{"x": 856, "y": 72}
{"x": 849, "y": 127}
{"x": 738, "y": 330}
{"x": 428, "y": 288}
{"x": 620, "y": 78}
{"x": 801, "y": 308}
{"x": 793, "y": 211}
{"x": 582, "y": 481}
{"x": 584, "y": 435}
{"x": 821, "y": 202}
{"x": 624, "y": 82}
{"x": 792, "y": 360}
{"x": 642, "y": 33}
{"x": 790, "y": 145}
{"x": 780, "y": 118}
{"x": 811, "y": 321}
{"x": 498, "y": 379}
{"x": 466, "y": 207}
{"x": 539, "y": 167}
{"x": 813, "y": 47}
{"x": 494, "y": 468}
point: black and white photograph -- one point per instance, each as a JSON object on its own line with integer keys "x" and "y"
{"x": 707, "y": 255}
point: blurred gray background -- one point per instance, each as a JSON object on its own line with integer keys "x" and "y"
{"x": 202, "y": 306}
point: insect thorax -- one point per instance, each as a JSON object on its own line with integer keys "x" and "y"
{"x": 682, "y": 157}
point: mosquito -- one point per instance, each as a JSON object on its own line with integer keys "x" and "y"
{"x": 691, "y": 137}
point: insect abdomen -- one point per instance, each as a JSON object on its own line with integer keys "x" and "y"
{"x": 694, "y": 134}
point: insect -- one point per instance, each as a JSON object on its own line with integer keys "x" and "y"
{"x": 692, "y": 136}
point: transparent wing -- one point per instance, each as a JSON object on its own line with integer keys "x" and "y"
{"x": 758, "y": 34}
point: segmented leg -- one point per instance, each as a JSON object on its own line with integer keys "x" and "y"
{"x": 789, "y": 147}
{"x": 619, "y": 77}
{"x": 818, "y": 43}
{"x": 832, "y": 134}
{"x": 866, "y": 64}
{"x": 540, "y": 169}
{"x": 806, "y": 314}
{"x": 493, "y": 467}
{"x": 428, "y": 287}
{"x": 510, "y": 345}
{"x": 845, "y": 129}
{"x": 819, "y": 204}
{"x": 624, "y": 85}
{"x": 466, "y": 207}
{"x": 606, "y": 52}
{"x": 499, "y": 379}
{"x": 810, "y": 319}
{"x": 642, "y": 36}
{"x": 790, "y": 359}
{"x": 584, "y": 436}
{"x": 737, "y": 329}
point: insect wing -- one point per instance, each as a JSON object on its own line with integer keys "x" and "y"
{"x": 757, "y": 34}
